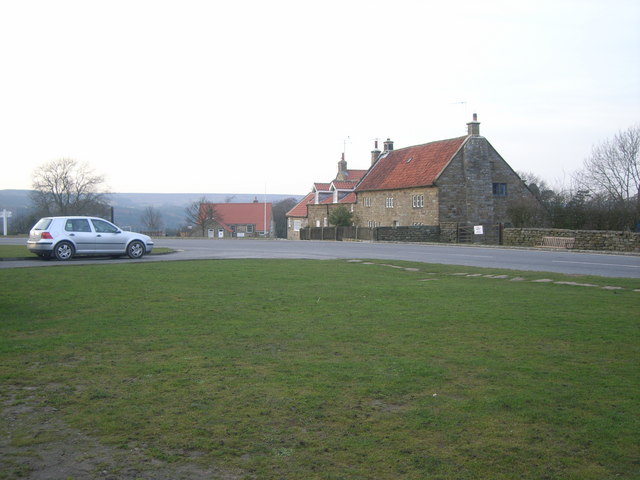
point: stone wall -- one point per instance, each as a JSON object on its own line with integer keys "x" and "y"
{"x": 318, "y": 214}
{"x": 408, "y": 234}
{"x": 374, "y": 208}
{"x": 466, "y": 186}
{"x": 602, "y": 240}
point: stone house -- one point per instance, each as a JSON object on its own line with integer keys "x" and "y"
{"x": 460, "y": 181}
{"x": 314, "y": 209}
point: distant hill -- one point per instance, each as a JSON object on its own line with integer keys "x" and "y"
{"x": 129, "y": 207}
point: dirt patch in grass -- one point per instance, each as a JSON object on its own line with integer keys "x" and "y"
{"x": 37, "y": 444}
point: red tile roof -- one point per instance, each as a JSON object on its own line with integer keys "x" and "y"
{"x": 415, "y": 166}
{"x": 300, "y": 210}
{"x": 344, "y": 185}
{"x": 243, "y": 214}
{"x": 355, "y": 175}
{"x": 350, "y": 198}
{"x": 322, "y": 187}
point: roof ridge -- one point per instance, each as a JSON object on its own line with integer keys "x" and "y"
{"x": 429, "y": 143}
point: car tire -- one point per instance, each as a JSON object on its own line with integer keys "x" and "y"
{"x": 63, "y": 251}
{"x": 136, "y": 249}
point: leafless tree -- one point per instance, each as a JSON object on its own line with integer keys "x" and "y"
{"x": 613, "y": 169}
{"x": 152, "y": 219}
{"x": 201, "y": 213}
{"x": 65, "y": 186}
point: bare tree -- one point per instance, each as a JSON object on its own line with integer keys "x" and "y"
{"x": 152, "y": 219}
{"x": 613, "y": 169}
{"x": 64, "y": 186}
{"x": 201, "y": 213}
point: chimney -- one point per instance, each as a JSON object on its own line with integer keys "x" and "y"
{"x": 473, "y": 128}
{"x": 388, "y": 145}
{"x": 342, "y": 169}
{"x": 375, "y": 153}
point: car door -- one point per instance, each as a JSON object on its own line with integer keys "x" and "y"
{"x": 109, "y": 238}
{"x": 79, "y": 232}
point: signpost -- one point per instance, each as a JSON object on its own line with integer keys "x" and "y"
{"x": 5, "y": 214}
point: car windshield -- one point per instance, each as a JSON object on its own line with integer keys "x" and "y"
{"x": 43, "y": 224}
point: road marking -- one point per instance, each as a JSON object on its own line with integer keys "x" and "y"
{"x": 599, "y": 264}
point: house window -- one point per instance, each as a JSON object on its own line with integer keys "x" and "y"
{"x": 500, "y": 189}
{"x": 389, "y": 202}
{"x": 250, "y": 228}
{"x": 417, "y": 201}
{"x": 297, "y": 224}
{"x": 366, "y": 201}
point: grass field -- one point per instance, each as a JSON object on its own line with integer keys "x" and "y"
{"x": 300, "y": 369}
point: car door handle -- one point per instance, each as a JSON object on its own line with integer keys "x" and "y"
{"x": 98, "y": 235}
{"x": 72, "y": 234}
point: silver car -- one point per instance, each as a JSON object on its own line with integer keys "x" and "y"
{"x": 64, "y": 237}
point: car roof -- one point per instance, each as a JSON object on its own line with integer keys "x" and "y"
{"x": 78, "y": 216}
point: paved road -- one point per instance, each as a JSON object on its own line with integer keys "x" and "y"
{"x": 518, "y": 259}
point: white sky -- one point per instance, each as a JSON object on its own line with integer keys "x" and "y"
{"x": 253, "y": 96}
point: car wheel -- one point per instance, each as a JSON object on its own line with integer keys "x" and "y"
{"x": 136, "y": 249}
{"x": 63, "y": 251}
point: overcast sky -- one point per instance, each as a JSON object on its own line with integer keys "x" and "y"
{"x": 254, "y": 96}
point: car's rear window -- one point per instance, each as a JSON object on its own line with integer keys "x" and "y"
{"x": 43, "y": 224}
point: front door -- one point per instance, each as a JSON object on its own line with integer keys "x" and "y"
{"x": 109, "y": 238}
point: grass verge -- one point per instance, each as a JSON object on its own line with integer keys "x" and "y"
{"x": 332, "y": 369}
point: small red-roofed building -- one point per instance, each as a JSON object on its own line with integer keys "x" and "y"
{"x": 238, "y": 219}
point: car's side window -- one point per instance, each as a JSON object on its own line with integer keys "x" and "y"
{"x": 103, "y": 227}
{"x": 77, "y": 225}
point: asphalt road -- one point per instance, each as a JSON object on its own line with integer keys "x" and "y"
{"x": 581, "y": 263}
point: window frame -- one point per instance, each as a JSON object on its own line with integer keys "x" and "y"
{"x": 500, "y": 189}
{"x": 73, "y": 225}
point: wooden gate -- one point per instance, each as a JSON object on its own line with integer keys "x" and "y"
{"x": 483, "y": 234}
